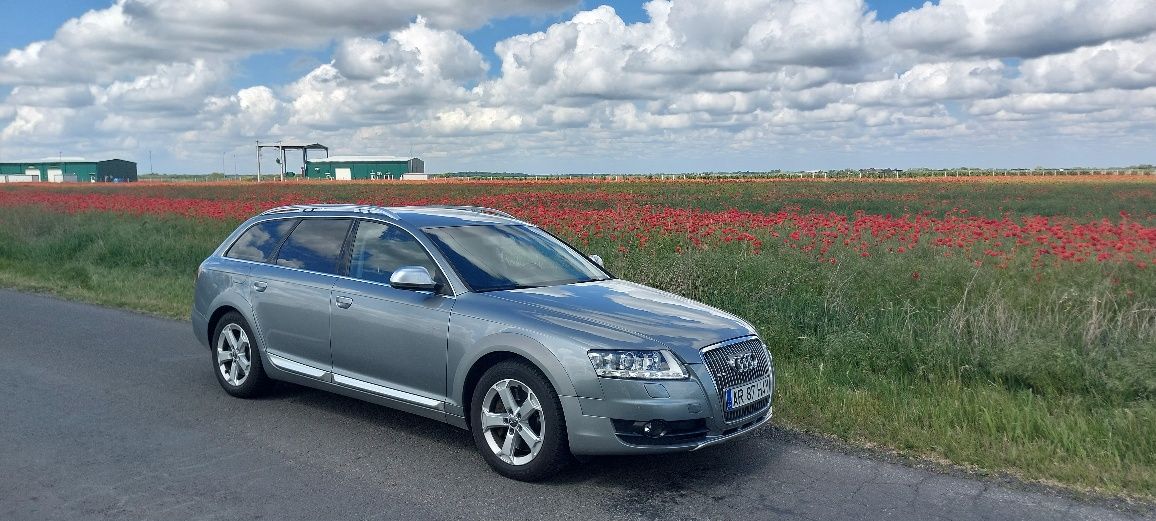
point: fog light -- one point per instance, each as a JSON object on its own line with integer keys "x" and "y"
{"x": 654, "y": 428}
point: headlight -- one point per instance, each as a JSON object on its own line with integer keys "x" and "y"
{"x": 643, "y": 365}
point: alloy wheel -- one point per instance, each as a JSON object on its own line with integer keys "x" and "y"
{"x": 512, "y": 423}
{"x": 234, "y": 354}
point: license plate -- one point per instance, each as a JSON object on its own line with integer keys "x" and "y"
{"x": 741, "y": 395}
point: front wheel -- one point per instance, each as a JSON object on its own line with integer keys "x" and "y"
{"x": 517, "y": 422}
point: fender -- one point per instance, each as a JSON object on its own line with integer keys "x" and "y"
{"x": 465, "y": 352}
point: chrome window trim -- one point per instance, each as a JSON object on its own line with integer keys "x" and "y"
{"x": 454, "y": 289}
{"x": 382, "y": 284}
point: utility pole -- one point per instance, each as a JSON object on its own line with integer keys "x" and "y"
{"x": 258, "y": 160}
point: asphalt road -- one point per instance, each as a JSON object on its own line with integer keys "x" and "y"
{"x": 106, "y": 414}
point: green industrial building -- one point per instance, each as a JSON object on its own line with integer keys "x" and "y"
{"x": 69, "y": 170}
{"x": 363, "y": 167}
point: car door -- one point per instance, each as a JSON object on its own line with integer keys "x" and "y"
{"x": 388, "y": 341}
{"x": 291, "y": 295}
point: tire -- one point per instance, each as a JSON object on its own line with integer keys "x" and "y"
{"x": 236, "y": 358}
{"x": 503, "y": 436}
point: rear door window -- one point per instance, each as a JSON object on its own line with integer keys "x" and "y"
{"x": 260, "y": 240}
{"x": 314, "y": 245}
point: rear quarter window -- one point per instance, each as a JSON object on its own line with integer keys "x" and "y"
{"x": 260, "y": 240}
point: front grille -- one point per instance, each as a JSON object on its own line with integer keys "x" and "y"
{"x": 725, "y": 376}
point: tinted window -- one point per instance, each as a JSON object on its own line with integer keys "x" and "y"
{"x": 314, "y": 245}
{"x": 259, "y": 241}
{"x": 379, "y": 249}
{"x": 491, "y": 258}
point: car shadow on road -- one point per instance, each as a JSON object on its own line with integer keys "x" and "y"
{"x": 378, "y": 416}
{"x": 713, "y": 466}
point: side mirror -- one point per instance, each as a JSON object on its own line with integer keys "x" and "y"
{"x": 412, "y": 278}
{"x": 597, "y": 260}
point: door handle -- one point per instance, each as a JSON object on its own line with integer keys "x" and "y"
{"x": 344, "y": 302}
{"x": 260, "y": 285}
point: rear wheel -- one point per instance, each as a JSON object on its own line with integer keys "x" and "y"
{"x": 517, "y": 422}
{"x": 236, "y": 361}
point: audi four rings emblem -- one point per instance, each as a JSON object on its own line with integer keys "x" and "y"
{"x": 743, "y": 363}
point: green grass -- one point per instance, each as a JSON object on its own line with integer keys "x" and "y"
{"x": 1048, "y": 373}
{"x": 140, "y": 264}
{"x": 990, "y": 369}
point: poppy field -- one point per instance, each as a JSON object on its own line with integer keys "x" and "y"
{"x": 1001, "y": 324}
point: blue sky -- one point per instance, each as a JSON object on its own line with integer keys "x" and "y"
{"x": 707, "y": 85}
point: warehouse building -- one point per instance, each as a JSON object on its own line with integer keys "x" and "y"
{"x": 365, "y": 167}
{"x": 69, "y": 170}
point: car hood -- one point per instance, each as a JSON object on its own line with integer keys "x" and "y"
{"x": 658, "y": 318}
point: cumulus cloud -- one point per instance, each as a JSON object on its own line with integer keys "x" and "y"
{"x": 1019, "y": 28}
{"x": 372, "y": 81}
{"x": 931, "y": 82}
{"x": 738, "y": 78}
{"x": 71, "y": 96}
{"x": 1117, "y": 64}
{"x": 167, "y": 89}
{"x": 132, "y": 36}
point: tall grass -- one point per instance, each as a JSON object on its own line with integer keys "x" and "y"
{"x": 1048, "y": 374}
{"x": 140, "y": 264}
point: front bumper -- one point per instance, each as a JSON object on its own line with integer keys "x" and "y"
{"x": 595, "y": 426}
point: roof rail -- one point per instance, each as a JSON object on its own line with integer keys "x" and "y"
{"x": 476, "y": 209}
{"x": 358, "y": 208}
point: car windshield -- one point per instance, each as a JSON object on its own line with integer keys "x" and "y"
{"x": 500, "y": 257}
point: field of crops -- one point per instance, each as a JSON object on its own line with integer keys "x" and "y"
{"x": 1004, "y": 324}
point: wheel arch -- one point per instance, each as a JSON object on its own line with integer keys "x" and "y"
{"x": 224, "y": 307}
{"x": 541, "y": 359}
{"x": 216, "y": 316}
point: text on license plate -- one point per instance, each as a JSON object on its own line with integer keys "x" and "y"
{"x": 741, "y": 395}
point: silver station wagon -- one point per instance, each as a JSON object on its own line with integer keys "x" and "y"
{"x": 472, "y": 317}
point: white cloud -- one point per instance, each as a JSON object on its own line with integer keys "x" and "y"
{"x": 1019, "y": 28}
{"x": 1118, "y": 64}
{"x": 167, "y": 89}
{"x": 72, "y": 96}
{"x": 707, "y": 79}
{"x": 1059, "y": 103}
{"x": 371, "y": 81}
{"x": 133, "y": 36}
{"x": 929, "y": 82}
